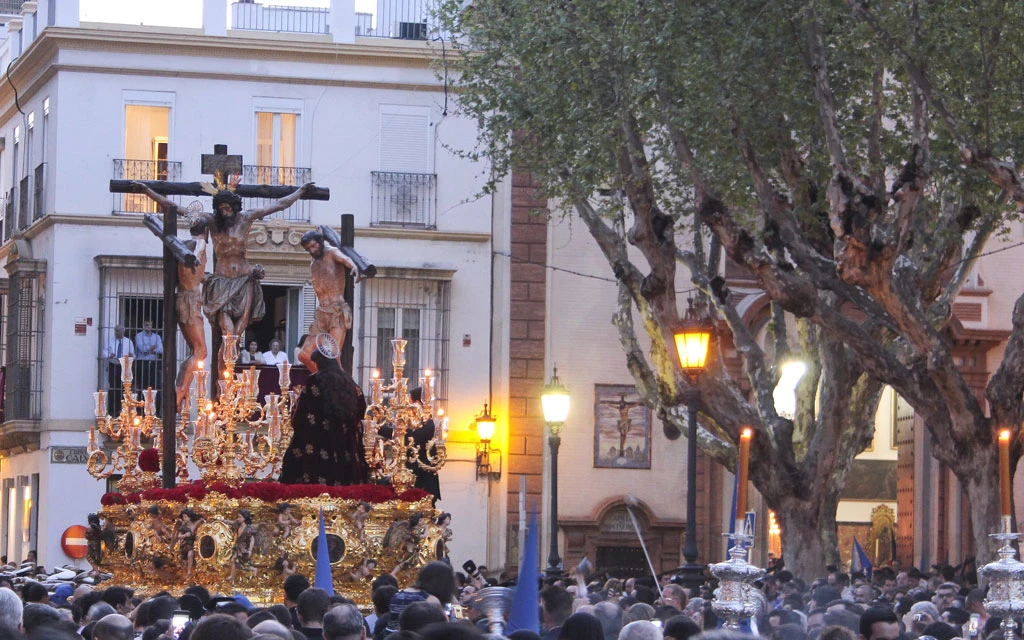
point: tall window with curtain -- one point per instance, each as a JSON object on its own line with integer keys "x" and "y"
{"x": 275, "y": 146}
{"x": 145, "y": 150}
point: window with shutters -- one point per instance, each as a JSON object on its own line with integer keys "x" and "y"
{"x": 413, "y": 308}
{"x": 403, "y": 191}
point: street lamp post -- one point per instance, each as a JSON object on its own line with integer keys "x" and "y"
{"x": 555, "y": 402}
{"x": 693, "y": 342}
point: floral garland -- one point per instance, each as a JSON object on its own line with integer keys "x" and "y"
{"x": 266, "y": 492}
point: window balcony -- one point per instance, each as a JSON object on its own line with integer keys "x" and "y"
{"x": 275, "y": 176}
{"x": 142, "y": 170}
{"x": 403, "y": 199}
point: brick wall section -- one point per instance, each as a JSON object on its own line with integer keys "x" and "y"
{"x": 528, "y": 292}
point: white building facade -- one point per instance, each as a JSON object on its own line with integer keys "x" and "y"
{"x": 367, "y": 117}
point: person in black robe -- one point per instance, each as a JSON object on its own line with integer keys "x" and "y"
{"x": 425, "y": 479}
{"x": 327, "y": 445}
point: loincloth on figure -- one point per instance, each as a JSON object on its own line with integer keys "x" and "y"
{"x": 232, "y": 296}
{"x": 189, "y": 305}
{"x": 336, "y": 314}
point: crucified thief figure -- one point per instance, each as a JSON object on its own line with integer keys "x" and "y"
{"x": 189, "y": 305}
{"x": 232, "y": 296}
{"x": 327, "y": 272}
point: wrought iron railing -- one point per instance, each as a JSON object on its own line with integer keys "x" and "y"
{"x": 24, "y": 195}
{"x": 10, "y": 7}
{"x": 39, "y": 191}
{"x": 253, "y": 16}
{"x": 288, "y": 176}
{"x": 10, "y": 213}
{"x": 403, "y": 20}
{"x": 403, "y": 199}
{"x": 142, "y": 170}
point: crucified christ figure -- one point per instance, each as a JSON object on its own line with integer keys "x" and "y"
{"x": 625, "y": 422}
{"x": 232, "y": 296}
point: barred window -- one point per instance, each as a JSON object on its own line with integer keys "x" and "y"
{"x": 131, "y": 293}
{"x": 23, "y": 388}
{"x": 403, "y": 305}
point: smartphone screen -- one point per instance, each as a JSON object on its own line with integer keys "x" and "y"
{"x": 178, "y": 622}
{"x": 973, "y": 624}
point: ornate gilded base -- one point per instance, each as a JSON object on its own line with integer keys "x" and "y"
{"x": 153, "y": 552}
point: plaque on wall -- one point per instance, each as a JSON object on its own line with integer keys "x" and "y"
{"x": 622, "y": 429}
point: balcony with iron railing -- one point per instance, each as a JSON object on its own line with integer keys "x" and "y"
{"x": 403, "y": 199}
{"x": 10, "y": 7}
{"x": 278, "y": 176}
{"x": 142, "y": 170}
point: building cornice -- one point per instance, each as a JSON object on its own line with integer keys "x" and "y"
{"x": 271, "y": 240}
{"x": 19, "y": 436}
{"x": 39, "y": 62}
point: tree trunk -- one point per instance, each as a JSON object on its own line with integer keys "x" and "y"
{"x": 809, "y": 541}
{"x": 981, "y": 484}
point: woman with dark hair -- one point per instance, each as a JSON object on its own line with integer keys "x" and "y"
{"x": 326, "y": 447}
{"x": 437, "y": 579}
{"x": 581, "y": 626}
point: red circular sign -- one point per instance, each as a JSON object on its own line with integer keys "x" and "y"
{"x": 73, "y": 542}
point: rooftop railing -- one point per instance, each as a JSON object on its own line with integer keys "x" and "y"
{"x": 253, "y": 16}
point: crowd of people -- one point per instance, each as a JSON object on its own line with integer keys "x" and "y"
{"x": 892, "y": 605}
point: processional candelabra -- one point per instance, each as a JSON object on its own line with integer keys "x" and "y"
{"x": 736, "y": 598}
{"x": 235, "y": 437}
{"x": 137, "y": 420}
{"x": 392, "y": 454}
{"x": 1005, "y": 577}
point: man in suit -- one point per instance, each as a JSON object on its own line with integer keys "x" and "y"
{"x": 117, "y": 347}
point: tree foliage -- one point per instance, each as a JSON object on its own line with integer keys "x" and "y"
{"x": 855, "y": 157}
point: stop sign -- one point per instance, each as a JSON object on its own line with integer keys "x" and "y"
{"x": 73, "y": 542}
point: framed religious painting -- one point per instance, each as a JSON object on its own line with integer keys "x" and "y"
{"x": 622, "y": 428}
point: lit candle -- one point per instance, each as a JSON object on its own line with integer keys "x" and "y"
{"x": 284, "y": 373}
{"x": 375, "y": 387}
{"x": 741, "y": 481}
{"x": 126, "y": 369}
{"x": 149, "y": 397}
{"x": 201, "y": 375}
{"x": 428, "y": 386}
{"x": 1004, "y": 472}
{"x": 101, "y": 403}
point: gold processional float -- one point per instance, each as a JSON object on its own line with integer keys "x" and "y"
{"x": 235, "y": 529}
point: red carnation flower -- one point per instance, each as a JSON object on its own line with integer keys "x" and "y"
{"x": 149, "y": 460}
{"x": 111, "y": 498}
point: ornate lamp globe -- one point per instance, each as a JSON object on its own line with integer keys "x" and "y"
{"x": 555, "y": 402}
{"x": 693, "y": 342}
